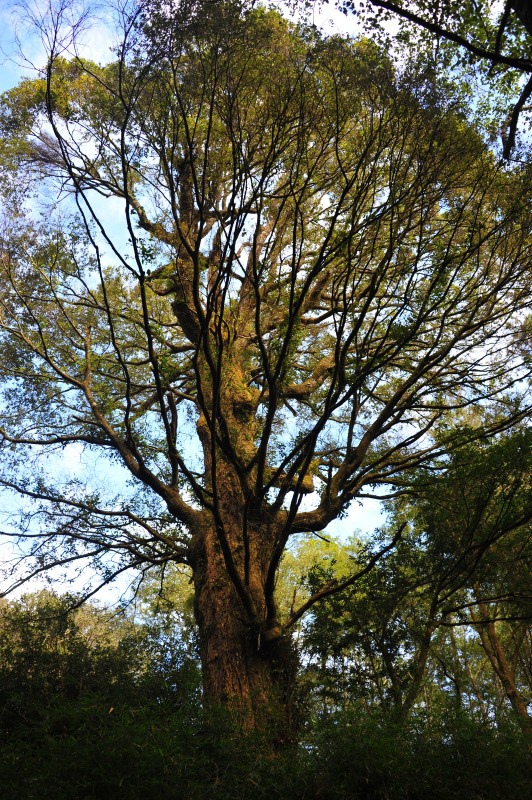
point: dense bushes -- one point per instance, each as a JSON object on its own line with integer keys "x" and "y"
{"x": 149, "y": 753}
{"x": 96, "y": 706}
{"x": 372, "y": 756}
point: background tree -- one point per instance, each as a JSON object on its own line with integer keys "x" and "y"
{"x": 457, "y": 584}
{"x": 54, "y": 655}
{"x": 478, "y": 518}
{"x": 305, "y": 278}
{"x": 89, "y": 700}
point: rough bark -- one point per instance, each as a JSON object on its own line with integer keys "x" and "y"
{"x": 247, "y": 665}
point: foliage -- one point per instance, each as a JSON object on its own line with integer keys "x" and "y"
{"x": 469, "y": 40}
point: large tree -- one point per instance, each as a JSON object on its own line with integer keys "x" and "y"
{"x": 308, "y": 264}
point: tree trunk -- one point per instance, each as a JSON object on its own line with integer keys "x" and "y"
{"x": 418, "y": 671}
{"x": 494, "y": 650}
{"x": 248, "y": 666}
